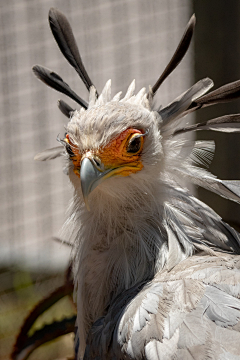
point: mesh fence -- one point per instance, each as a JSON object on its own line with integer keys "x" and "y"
{"x": 119, "y": 39}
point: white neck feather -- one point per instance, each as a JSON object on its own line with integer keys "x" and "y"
{"x": 118, "y": 245}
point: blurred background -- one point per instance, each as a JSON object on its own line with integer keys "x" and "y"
{"x": 118, "y": 39}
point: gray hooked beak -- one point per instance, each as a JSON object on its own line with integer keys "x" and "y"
{"x": 91, "y": 176}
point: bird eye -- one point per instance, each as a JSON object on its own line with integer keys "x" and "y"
{"x": 134, "y": 145}
{"x": 68, "y": 147}
{"x": 69, "y": 150}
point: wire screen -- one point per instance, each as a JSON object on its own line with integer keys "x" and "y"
{"x": 121, "y": 40}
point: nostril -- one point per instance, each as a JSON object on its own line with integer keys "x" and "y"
{"x": 94, "y": 160}
{"x": 97, "y": 162}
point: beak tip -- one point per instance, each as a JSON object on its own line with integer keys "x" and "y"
{"x": 87, "y": 204}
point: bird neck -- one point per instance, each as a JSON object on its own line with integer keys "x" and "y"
{"x": 120, "y": 245}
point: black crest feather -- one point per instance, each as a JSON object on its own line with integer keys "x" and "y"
{"x": 178, "y": 55}
{"x": 65, "y": 39}
{"x": 53, "y": 80}
{"x": 66, "y": 109}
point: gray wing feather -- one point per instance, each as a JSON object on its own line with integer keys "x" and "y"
{"x": 229, "y": 189}
{"x": 226, "y": 355}
{"x": 180, "y": 314}
{"x": 233, "y": 186}
{"x": 220, "y": 307}
{"x": 189, "y": 310}
{"x": 194, "y": 225}
{"x": 156, "y": 350}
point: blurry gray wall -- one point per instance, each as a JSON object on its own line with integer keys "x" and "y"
{"x": 118, "y": 39}
{"x": 217, "y": 55}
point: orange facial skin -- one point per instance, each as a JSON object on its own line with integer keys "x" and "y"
{"x": 114, "y": 155}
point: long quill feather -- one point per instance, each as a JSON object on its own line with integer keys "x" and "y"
{"x": 65, "y": 39}
{"x": 223, "y": 94}
{"x": 226, "y": 123}
{"x": 53, "y": 80}
{"x": 178, "y": 55}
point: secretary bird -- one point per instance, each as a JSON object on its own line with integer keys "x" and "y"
{"x": 156, "y": 270}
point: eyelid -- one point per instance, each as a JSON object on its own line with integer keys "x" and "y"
{"x": 69, "y": 150}
{"x": 66, "y": 144}
{"x": 140, "y": 135}
{"x": 134, "y": 136}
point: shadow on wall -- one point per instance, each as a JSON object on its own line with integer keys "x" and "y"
{"x": 217, "y": 55}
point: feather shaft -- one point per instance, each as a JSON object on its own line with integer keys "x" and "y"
{"x": 226, "y": 123}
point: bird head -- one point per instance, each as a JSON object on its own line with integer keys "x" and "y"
{"x": 112, "y": 144}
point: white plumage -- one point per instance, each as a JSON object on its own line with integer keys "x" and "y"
{"x": 156, "y": 270}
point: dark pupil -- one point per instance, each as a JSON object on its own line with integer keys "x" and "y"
{"x": 69, "y": 150}
{"x": 134, "y": 145}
